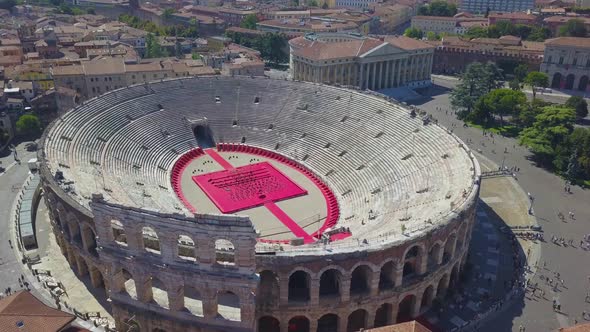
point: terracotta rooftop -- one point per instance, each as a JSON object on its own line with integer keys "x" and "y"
{"x": 569, "y": 41}
{"x": 412, "y": 326}
{"x": 22, "y": 312}
{"x": 576, "y": 328}
{"x": 514, "y": 15}
{"x": 407, "y": 43}
{"x": 323, "y": 51}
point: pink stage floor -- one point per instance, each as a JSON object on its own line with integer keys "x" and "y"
{"x": 246, "y": 187}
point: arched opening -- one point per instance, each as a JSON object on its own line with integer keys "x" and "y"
{"x": 583, "y": 85}
{"x": 268, "y": 324}
{"x": 330, "y": 283}
{"x": 268, "y": 288}
{"x": 151, "y": 242}
{"x": 224, "y": 252}
{"x": 228, "y": 306}
{"x": 454, "y": 276}
{"x": 427, "y": 298}
{"x": 159, "y": 292}
{"x": 96, "y": 277}
{"x": 404, "y": 313}
{"x": 82, "y": 266}
{"x": 357, "y": 320}
{"x": 89, "y": 239}
{"x": 449, "y": 249}
{"x": 556, "y": 81}
{"x": 359, "y": 281}
{"x": 299, "y": 285}
{"x": 441, "y": 288}
{"x": 193, "y": 301}
{"x": 328, "y": 323}
{"x": 119, "y": 233}
{"x": 186, "y": 248}
{"x": 433, "y": 255}
{"x": 569, "y": 81}
{"x": 409, "y": 270}
{"x": 386, "y": 277}
{"x": 204, "y": 136}
{"x": 131, "y": 325}
{"x": 74, "y": 230}
{"x": 128, "y": 284}
{"x": 383, "y": 315}
{"x": 299, "y": 324}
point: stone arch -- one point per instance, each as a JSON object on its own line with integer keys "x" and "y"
{"x": 228, "y": 306}
{"x": 193, "y": 301}
{"x": 434, "y": 255}
{"x": 74, "y": 229}
{"x": 269, "y": 324}
{"x": 268, "y": 287}
{"x": 583, "y": 84}
{"x": 118, "y": 231}
{"x": 413, "y": 260}
{"x": 406, "y": 306}
{"x": 96, "y": 277}
{"x": 556, "y": 81}
{"x": 387, "y": 275}
{"x": 357, "y": 320}
{"x": 186, "y": 248}
{"x": 330, "y": 283}
{"x": 157, "y": 292}
{"x": 443, "y": 284}
{"x": 383, "y": 315}
{"x": 328, "y": 323}
{"x": 299, "y": 324}
{"x": 427, "y": 298}
{"x": 150, "y": 239}
{"x": 569, "y": 81}
{"x": 299, "y": 286}
{"x": 224, "y": 252}
{"x": 89, "y": 238}
{"x": 126, "y": 283}
{"x": 360, "y": 280}
{"x": 449, "y": 250}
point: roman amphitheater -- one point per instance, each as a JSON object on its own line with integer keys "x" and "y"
{"x": 252, "y": 204}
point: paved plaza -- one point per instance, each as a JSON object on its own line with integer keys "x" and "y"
{"x": 536, "y": 314}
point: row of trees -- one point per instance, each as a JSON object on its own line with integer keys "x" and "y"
{"x": 438, "y": 8}
{"x": 504, "y": 28}
{"x": 272, "y": 46}
{"x": 190, "y": 31}
{"x": 419, "y": 34}
{"x": 546, "y": 129}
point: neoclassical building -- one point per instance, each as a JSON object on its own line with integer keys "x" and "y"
{"x": 364, "y": 62}
{"x": 567, "y": 63}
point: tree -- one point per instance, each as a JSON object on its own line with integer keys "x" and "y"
{"x": 550, "y": 129}
{"x": 7, "y": 4}
{"x": 579, "y": 104}
{"x": 573, "y": 28}
{"x": 514, "y": 85}
{"x": 167, "y": 13}
{"x": 312, "y": 3}
{"x": 431, "y": 35}
{"x": 249, "y": 22}
{"x": 536, "y": 80}
{"x": 573, "y": 167}
{"x": 477, "y": 80}
{"x": 28, "y": 124}
{"x": 498, "y": 102}
{"x": 438, "y": 8}
{"x": 476, "y": 32}
{"x": 325, "y": 5}
{"x": 539, "y": 34}
{"x": 414, "y": 33}
{"x": 153, "y": 49}
{"x": 521, "y": 71}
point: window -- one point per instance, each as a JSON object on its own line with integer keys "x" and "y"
{"x": 575, "y": 62}
{"x": 588, "y": 63}
{"x": 561, "y": 60}
{"x": 105, "y": 79}
{"x": 93, "y": 90}
{"x": 550, "y": 59}
{"x": 91, "y": 79}
{"x": 155, "y": 75}
{"x": 133, "y": 76}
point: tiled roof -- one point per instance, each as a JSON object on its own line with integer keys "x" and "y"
{"x": 514, "y": 15}
{"x": 25, "y": 310}
{"x": 408, "y": 44}
{"x": 569, "y": 41}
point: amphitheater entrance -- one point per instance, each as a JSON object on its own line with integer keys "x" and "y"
{"x": 203, "y": 134}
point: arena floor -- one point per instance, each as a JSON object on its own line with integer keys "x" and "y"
{"x": 289, "y": 206}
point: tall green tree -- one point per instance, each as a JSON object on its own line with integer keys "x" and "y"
{"x": 579, "y": 104}
{"x": 503, "y": 102}
{"x": 438, "y": 8}
{"x": 414, "y": 33}
{"x": 249, "y": 22}
{"x": 521, "y": 71}
{"x": 550, "y": 129}
{"x": 28, "y": 124}
{"x": 477, "y": 80}
{"x": 153, "y": 49}
{"x": 536, "y": 80}
{"x": 573, "y": 28}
